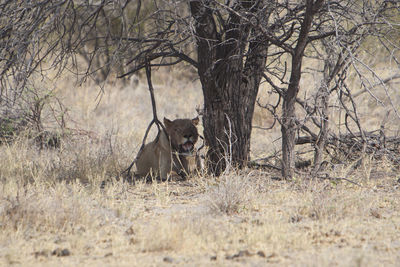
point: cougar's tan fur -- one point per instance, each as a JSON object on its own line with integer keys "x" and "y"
{"x": 170, "y": 151}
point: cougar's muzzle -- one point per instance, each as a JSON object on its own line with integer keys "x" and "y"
{"x": 186, "y": 148}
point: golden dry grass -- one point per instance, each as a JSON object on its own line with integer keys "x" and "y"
{"x": 52, "y": 210}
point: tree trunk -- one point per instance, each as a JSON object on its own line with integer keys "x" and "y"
{"x": 324, "y": 130}
{"x": 289, "y": 125}
{"x": 228, "y": 114}
{"x": 288, "y": 129}
{"x": 230, "y": 78}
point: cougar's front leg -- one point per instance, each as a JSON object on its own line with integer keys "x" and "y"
{"x": 165, "y": 166}
{"x": 181, "y": 166}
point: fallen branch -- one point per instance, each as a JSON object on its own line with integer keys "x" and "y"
{"x": 326, "y": 177}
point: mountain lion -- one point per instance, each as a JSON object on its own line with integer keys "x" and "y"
{"x": 160, "y": 157}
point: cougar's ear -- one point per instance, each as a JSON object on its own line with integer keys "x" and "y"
{"x": 167, "y": 123}
{"x": 195, "y": 121}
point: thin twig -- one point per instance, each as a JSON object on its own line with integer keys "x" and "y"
{"x": 154, "y": 121}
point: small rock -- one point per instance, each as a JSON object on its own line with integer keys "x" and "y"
{"x": 213, "y": 258}
{"x": 241, "y": 253}
{"x": 42, "y": 253}
{"x": 261, "y": 254}
{"x": 375, "y": 213}
{"x": 61, "y": 252}
{"x": 133, "y": 241}
{"x": 130, "y": 231}
{"x": 337, "y": 233}
{"x": 295, "y": 219}
{"x": 108, "y": 254}
{"x": 229, "y": 257}
{"x": 257, "y": 222}
{"x": 168, "y": 259}
{"x": 58, "y": 240}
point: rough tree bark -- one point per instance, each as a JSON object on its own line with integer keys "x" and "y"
{"x": 323, "y": 96}
{"x": 230, "y": 67}
{"x": 289, "y": 125}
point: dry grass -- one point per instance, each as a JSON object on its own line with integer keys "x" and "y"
{"x": 232, "y": 193}
{"x": 52, "y": 210}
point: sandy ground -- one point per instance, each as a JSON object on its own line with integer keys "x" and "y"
{"x": 53, "y": 212}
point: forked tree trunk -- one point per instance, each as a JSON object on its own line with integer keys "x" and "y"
{"x": 289, "y": 124}
{"x": 230, "y": 78}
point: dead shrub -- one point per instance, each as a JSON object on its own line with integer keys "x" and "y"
{"x": 43, "y": 208}
{"x": 10, "y": 127}
{"x": 20, "y": 162}
{"x": 86, "y": 160}
{"x": 78, "y": 158}
{"x": 231, "y": 194}
{"x": 332, "y": 205}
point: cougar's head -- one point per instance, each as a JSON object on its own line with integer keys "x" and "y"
{"x": 183, "y": 134}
